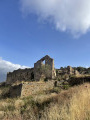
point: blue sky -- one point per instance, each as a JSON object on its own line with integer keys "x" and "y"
{"x": 28, "y": 31}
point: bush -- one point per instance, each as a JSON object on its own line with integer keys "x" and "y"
{"x": 45, "y": 79}
{"x": 66, "y": 87}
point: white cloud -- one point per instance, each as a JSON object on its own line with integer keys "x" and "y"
{"x": 6, "y": 66}
{"x": 66, "y": 15}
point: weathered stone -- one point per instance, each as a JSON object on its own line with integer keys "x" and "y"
{"x": 76, "y": 72}
{"x": 20, "y": 75}
{"x": 70, "y": 70}
{"x": 67, "y": 70}
{"x": 30, "y": 88}
{"x": 15, "y": 91}
{"x": 33, "y": 74}
{"x": 49, "y": 63}
{"x": 33, "y": 88}
{"x": 76, "y": 80}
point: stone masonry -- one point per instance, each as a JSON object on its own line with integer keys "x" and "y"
{"x": 33, "y": 74}
{"x": 30, "y": 88}
{"x": 25, "y": 82}
{"x": 33, "y": 88}
{"x": 49, "y": 64}
{"x": 67, "y": 70}
{"x": 20, "y": 75}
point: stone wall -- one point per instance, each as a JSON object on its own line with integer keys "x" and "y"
{"x": 20, "y": 75}
{"x": 15, "y": 91}
{"x": 33, "y": 88}
{"x": 67, "y": 70}
{"x": 77, "y": 80}
{"x": 30, "y": 88}
{"x": 32, "y": 74}
{"x": 49, "y": 63}
{"x": 71, "y": 71}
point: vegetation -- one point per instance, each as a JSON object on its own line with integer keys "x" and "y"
{"x": 71, "y": 104}
{"x": 82, "y": 70}
{"x": 80, "y": 79}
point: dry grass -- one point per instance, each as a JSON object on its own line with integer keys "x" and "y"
{"x": 72, "y": 104}
{"x": 81, "y": 76}
{"x": 75, "y": 105}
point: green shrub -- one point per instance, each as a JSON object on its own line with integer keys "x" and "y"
{"x": 45, "y": 79}
{"x": 56, "y": 90}
{"x": 66, "y": 87}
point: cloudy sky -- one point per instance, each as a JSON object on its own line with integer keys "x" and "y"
{"x": 31, "y": 29}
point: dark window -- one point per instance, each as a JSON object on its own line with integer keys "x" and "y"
{"x": 32, "y": 75}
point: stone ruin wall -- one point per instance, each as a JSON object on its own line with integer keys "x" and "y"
{"x": 71, "y": 71}
{"x": 49, "y": 62}
{"x": 68, "y": 70}
{"x": 19, "y": 76}
{"x": 15, "y": 91}
{"x": 31, "y": 74}
{"x": 31, "y": 88}
{"x": 77, "y": 80}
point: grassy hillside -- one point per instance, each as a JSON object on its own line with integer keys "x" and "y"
{"x": 71, "y": 104}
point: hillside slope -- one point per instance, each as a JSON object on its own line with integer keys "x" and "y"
{"x": 71, "y": 104}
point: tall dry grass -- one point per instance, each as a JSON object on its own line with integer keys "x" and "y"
{"x": 71, "y": 104}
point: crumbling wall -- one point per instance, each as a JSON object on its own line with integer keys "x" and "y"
{"x": 15, "y": 91}
{"x": 67, "y": 70}
{"x": 71, "y": 71}
{"x": 77, "y": 80}
{"x": 49, "y": 62}
{"x": 33, "y": 88}
{"x": 20, "y": 75}
{"x": 33, "y": 73}
{"x": 30, "y": 88}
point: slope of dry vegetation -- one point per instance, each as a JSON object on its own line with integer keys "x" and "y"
{"x": 71, "y": 104}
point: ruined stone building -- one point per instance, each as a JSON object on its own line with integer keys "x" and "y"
{"x": 67, "y": 70}
{"x": 43, "y": 68}
{"x": 48, "y": 64}
{"x": 33, "y": 74}
{"x": 34, "y": 78}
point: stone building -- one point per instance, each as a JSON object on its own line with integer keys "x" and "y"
{"x": 46, "y": 68}
{"x": 34, "y": 78}
{"x": 72, "y": 71}
{"x": 33, "y": 74}
{"x": 67, "y": 70}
